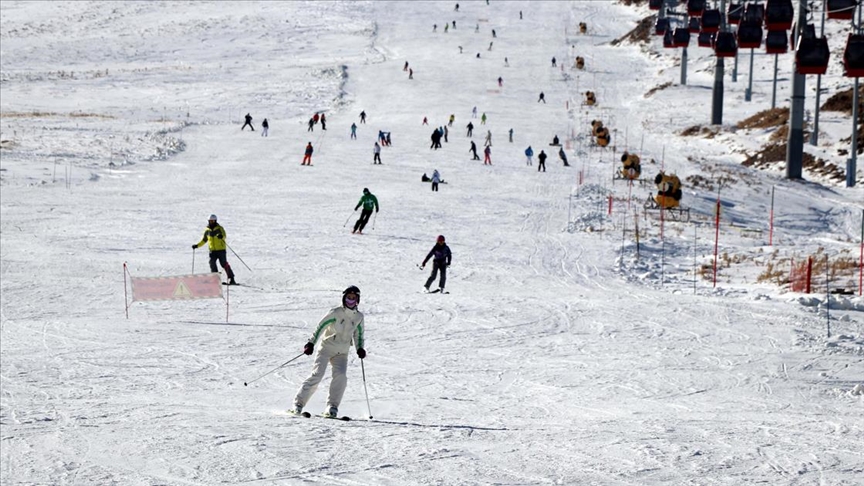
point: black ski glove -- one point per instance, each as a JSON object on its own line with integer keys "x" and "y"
{"x": 194, "y": 246}
{"x": 307, "y": 348}
{"x": 361, "y": 353}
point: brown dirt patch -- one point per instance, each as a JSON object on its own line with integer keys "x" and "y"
{"x": 657, "y": 88}
{"x": 842, "y": 101}
{"x": 774, "y": 153}
{"x": 639, "y": 35}
{"x": 766, "y": 119}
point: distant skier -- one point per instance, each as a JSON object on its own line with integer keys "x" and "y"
{"x": 307, "y": 155}
{"x": 376, "y": 150}
{"x": 425, "y": 121}
{"x": 410, "y": 73}
{"x": 457, "y": 7}
{"x": 511, "y": 135}
{"x": 264, "y": 127}
{"x": 474, "y": 112}
{"x": 316, "y": 117}
{"x": 493, "y": 34}
{"x": 487, "y": 152}
{"x": 473, "y": 150}
{"x": 529, "y": 152}
{"x": 436, "y": 178}
{"x": 542, "y": 98}
{"x": 553, "y": 62}
{"x": 248, "y": 122}
{"x": 563, "y": 156}
{"x": 555, "y": 141}
{"x": 441, "y": 259}
{"x": 470, "y": 127}
{"x": 488, "y": 141}
{"x": 354, "y": 131}
{"x": 337, "y": 330}
{"x": 483, "y": 119}
{"x": 405, "y": 68}
{"x": 363, "y": 116}
{"x": 311, "y": 125}
{"x": 506, "y": 62}
{"x": 369, "y": 202}
{"x": 323, "y": 121}
{"x": 215, "y": 236}
{"x": 452, "y": 119}
{"x": 500, "y": 81}
{"x": 541, "y": 161}
{"x": 436, "y": 139}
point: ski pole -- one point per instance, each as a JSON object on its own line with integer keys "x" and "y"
{"x": 349, "y": 218}
{"x": 238, "y": 257}
{"x": 363, "y": 368}
{"x": 373, "y": 219}
{"x": 246, "y": 383}
{"x": 193, "y": 261}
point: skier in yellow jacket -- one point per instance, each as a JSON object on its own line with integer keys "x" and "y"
{"x": 214, "y": 235}
{"x": 341, "y": 327}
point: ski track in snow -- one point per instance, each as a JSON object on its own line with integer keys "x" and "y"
{"x": 557, "y": 358}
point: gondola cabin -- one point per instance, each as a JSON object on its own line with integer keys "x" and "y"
{"x": 681, "y": 37}
{"x": 711, "y": 19}
{"x": 853, "y": 56}
{"x": 725, "y": 45}
{"x": 749, "y": 35}
{"x": 735, "y": 13}
{"x": 669, "y": 40}
{"x": 695, "y": 7}
{"x": 694, "y": 25}
{"x": 776, "y": 42}
{"x": 661, "y": 26}
{"x": 754, "y": 12}
{"x": 779, "y": 15}
{"x": 812, "y": 55}
{"x": 840, "y": 9}
{"x": 705, "y": 39}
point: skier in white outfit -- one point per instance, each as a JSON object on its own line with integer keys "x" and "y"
{"x": 341, "y": 327}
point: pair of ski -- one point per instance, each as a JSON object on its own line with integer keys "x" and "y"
{"x": 437, "y": 291}
{"x": 344, "y": 418}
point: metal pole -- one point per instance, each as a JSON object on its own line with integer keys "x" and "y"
{"x": 748, "y": 93}
{"x": 719, "y": 71}
{"x": 684, "y": 67}
{"x": 814, "y": 137}
{"x": 795, "y": 145}
{"x": 774, "y": 88}
{"x": 735, "y": 69}
{"x": 851, "y": 164}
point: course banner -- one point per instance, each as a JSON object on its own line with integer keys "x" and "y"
{"x": 184, "y": 287}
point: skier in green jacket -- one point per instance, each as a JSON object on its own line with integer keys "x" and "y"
{"x": 369, "y": 202}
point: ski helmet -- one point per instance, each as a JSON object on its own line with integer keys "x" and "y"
{"x": 212, "y": 217}
{"x": 351, "y": 290}
{"x": 365, "y": 190}
{"x": 440, "y": 239}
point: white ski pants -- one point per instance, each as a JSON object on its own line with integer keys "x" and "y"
{"x": 339, "y": 363}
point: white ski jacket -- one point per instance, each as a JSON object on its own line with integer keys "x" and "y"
{"x": 338, "y": 329}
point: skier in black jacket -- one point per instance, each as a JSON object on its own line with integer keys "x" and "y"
{"x": 441, "y": 258}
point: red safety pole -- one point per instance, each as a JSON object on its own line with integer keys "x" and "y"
{"x": 861, "y": 258}
{"x": 809, "y": 273}
{"x": 227, "y": 301}
{"x": 771, "y": 220}
{"x": 125, "y": 294}
{"x": 716, "y": 238}
{"x": 610, "y": 205}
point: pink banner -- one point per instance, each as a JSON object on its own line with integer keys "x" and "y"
{"x": 184, "y": 287}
